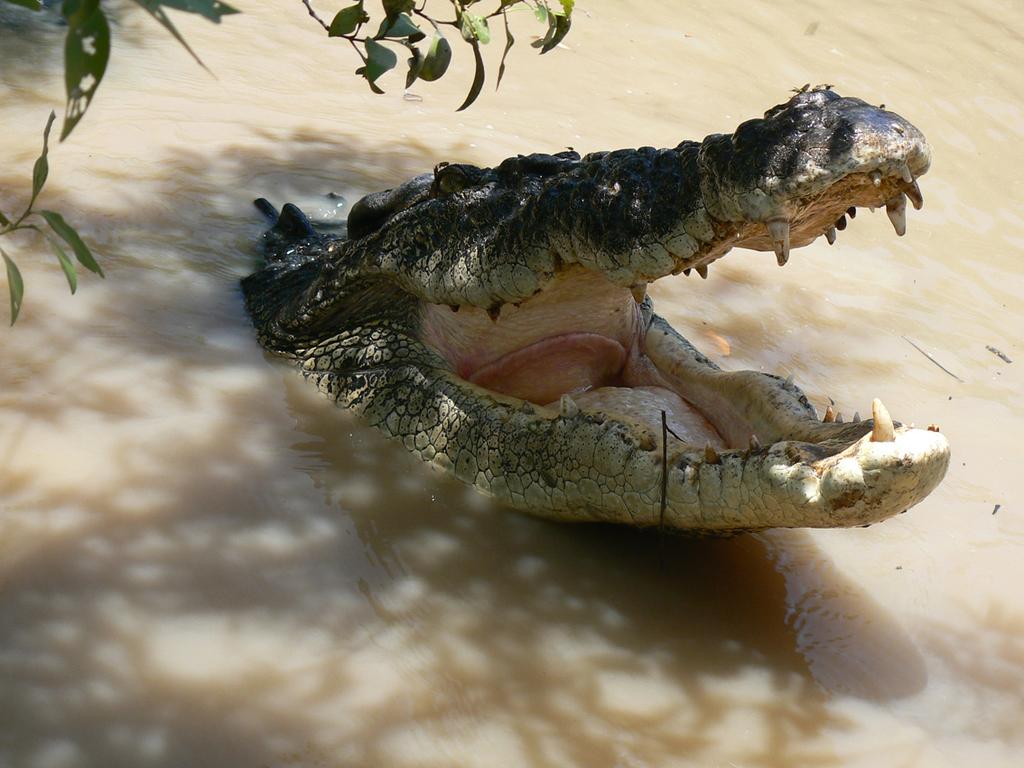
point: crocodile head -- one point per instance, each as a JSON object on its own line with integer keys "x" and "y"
{"x": 496, "y": 320}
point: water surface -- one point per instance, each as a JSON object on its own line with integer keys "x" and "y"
{"x": 203, "y": 563}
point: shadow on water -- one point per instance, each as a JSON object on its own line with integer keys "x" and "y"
{"x": 32, "y": 42}
{"x": 242, "y": 575}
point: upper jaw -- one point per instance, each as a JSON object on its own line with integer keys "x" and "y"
{"x": 782, "y": 181}
{"x": 800, "y": 149}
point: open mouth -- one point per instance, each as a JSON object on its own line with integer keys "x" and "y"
{"x": 585, "y": 345}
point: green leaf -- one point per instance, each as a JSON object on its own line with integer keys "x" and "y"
{"x": 415, "y": 63}
{"x": 32, "y": 5}
{"x": 66, "y": 264}
{"x": 438, "y": 57}
{"x": 347, "y": 19}
{"x": 404, "y": 26}
{"x": 86, "y": 51}
{"x": 394, "y": 7}
{"x": 379, "y": 59}
{"x": 15, "y": 285}
{"x": 42, "y": 167}
{"x": 558, "y": 28}
{"x": 67, "y": 232}
{"x": 567, "y": 6}
{"x": 478, "y": 77}
{"x": 475, "y": 28}
{"x": 509, "y": 42}
{"x": 373, "y": 86}
{"x": 541, "y": 12}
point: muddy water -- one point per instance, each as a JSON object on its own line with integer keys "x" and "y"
{"x": 201, "y": 563}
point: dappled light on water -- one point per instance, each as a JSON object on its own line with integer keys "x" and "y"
{"x": 202, "y": 562}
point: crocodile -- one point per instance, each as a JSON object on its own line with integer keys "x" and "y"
{"x": 496, "y": 321}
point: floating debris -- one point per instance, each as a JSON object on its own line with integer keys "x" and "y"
{"x": 1001, "y": 355}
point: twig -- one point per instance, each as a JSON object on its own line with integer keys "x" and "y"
{"x": 932, "y": 359}
{"x": 664, "y": 471}
{"x": 313, "y": 14}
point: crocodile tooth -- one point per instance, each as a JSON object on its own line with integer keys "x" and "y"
{"x": 567, "y": 407}
{"x": 755, "y": 443}
{"x": 778, "y": 231}
{"x": 839, "y": 418}
{"x": 789, "y": 380}
{"x": 906, "y": 174}
{"x": 876, "y": 178}
{"x": 710, "y": 454}
{"x": 896, "y": 209}
{"x": 883, "y": 431}
{"x": 914, "y": 193}
{"x": 852, "y": 212}
{"x": 677, "y": 270}
{"x": 933, "y": 428}
{"x": 639, "y": 291}
{"x": 830, "y": 415}
{"x": 687, "y": 271}
{"x": 841, "y": 223}
{"x": 830, "y": 235}
{"x": 702, "y": 270}
{"x": 494, "y": 313}
{"x": 856, "y": 416}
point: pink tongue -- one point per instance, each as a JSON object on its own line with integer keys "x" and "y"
{"x": 542, "y": 371}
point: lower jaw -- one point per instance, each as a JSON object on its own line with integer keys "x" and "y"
{"x": 737, "y": 450}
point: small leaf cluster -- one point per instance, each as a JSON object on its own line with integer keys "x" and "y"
{"x": 59, "y": 234}
{"x": 403, "y": 24}
{"x": 86, "y": 53}
{"x": 87, "y": 45}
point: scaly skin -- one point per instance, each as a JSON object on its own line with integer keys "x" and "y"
{"x": 354, "y": 315}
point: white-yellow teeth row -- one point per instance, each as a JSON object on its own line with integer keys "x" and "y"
{"x": 883, "y": 431}
{"x": 895, "y": 207}
{"x": 896, "y": 210}
{"x": 778, "y": 231}
{"x": 702, "y": 270}
{"x": 914, "y": 193}
{"x": 567, "y": 407}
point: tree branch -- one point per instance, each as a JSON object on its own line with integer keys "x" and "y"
{"x": 313, "y": 14}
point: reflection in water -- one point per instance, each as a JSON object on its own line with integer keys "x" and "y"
{"x": 851, "y": 645}
{"x": 203, "y": 563}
